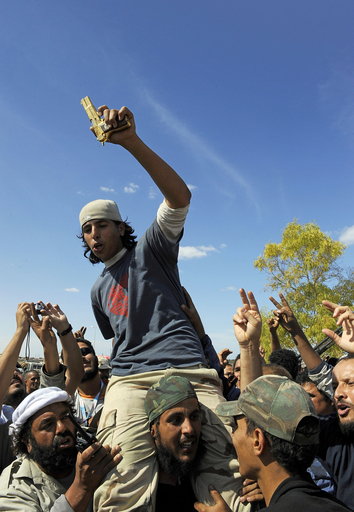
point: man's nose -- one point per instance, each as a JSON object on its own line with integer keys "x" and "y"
{"x": 187, "y": 427}
{"x": 60, "y": 427}
{"x": 340, "y": 392}
{"x": 95, "y": 232}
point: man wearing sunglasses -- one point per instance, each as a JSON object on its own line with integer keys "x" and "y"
{"x": 89, "y": 395}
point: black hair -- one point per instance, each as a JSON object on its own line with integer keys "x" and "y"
{"x": 292, "y": 457}
{"x": 80, "y": 340}
{"x": 304, "y": 378}
{"x": 128, "y": 240}
{"x": 286, "y": 358}
{"x": 275, "y": 369}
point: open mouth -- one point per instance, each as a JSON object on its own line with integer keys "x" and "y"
{"x": 343, "y": 409}
{"x": 98, "y": 247}
{"x": 187, "y": 445}
{"x": 67, "y": 442}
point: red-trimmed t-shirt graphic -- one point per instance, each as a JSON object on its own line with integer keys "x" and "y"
{"x": 118, "y": 297}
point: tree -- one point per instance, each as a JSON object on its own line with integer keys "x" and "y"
{"x": 304, "y": 267}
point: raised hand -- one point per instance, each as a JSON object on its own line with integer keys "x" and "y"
{"x": 42, "y": 327}
{"x": 223, "y": 355}
{"x": 80, "y": 333}
{"x": 273, "y": 323}
{"x": 345, "y": 318}
{"x": 285, "y": 315}
{"x": 247, "y": 321}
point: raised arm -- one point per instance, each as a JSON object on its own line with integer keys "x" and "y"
{"x": 273, "y": 324}
{"x": 54, "y": 317}
{"x": 345, "y": 318}
{"x": 248, "y": 329}
{"x": 174, "y": 189}
{"x": 289, "y": 322}
{"x": 8, "y": 358}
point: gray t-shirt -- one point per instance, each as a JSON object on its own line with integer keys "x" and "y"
{"x": 138, "y": 302}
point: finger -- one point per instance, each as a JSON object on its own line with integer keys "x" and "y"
{"x": 249, "y": 488}
{"x": 283, "y": 300}
{"x": 332, "y": 335}
{"x": 237, "y": 320}
{"x": 339, "y": 310}
{"x": 124, "y": 111}
{"x": 244, "y": 298}
{"x": 253, "y": 302}
{"x": 241, "y": 316}
{"x": 275, "y": 302}
{"x": 200, "y": 507}
{"x": 83, "y": 330}
{"x": 347, "y": 316}
{"x": 331, "y": 306}
{"x": 255, "y": 496}
{"x": 101, "y": 109}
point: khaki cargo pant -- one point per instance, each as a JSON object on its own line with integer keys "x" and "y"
{"x": 132, "y": 485}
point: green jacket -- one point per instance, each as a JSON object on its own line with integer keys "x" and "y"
{"x": 25, "y": 488}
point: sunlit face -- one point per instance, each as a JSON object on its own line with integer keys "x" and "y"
{"x": 343, "y": 385}
{"x": 32, "y": 382}
{"x": 103, "y": 238}
{"x": 179, "y": 429}
{"x": 89, "y": 361}
{"x": 51, "y": 421}
{"x": 243, "y": 443}
{"x": 322, "y": 406}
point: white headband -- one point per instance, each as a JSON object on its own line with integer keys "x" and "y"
{"x": 33, "y": 403}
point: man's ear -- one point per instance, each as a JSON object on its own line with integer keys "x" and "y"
{"x": 153, "y": 431}
{"x": 28, "y": 445}
{"x": 122, "y": 228}
{"x": 259, "y": 442}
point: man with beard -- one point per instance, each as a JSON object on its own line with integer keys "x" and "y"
{"x": 49, "y": 474}
{"x": 175, "y": 426}
{"x": 89, "y": 396}
{"x": 16, "y": 392}
{"x": 175, "y": 419}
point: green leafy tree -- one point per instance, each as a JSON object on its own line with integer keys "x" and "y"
{"x": 304, "y": 267}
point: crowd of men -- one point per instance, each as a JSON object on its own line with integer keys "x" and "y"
{"x": 167, "y": 423}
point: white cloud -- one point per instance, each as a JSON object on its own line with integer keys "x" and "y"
{"x": 131, "y": 189}
{"x": 347, "y": 236}
{"x": 188, "y": 252}
{"x": 75, "y": 290}
{"x": 80, "y": 193}
{"x": 232, "y": 288}
{"x": 105, "y": 189}
{"x": 199, "y": 146}
{"x": 223, "y": 246}
{"x": 191, "y": 187}
{"x": 152, "y": 193}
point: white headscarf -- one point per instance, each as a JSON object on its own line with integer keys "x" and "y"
{"x": 33, "y": 403}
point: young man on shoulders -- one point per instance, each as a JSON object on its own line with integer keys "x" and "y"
{"x": 136, "y": 300}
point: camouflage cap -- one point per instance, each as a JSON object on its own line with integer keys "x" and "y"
{"x": 276, "y": 405}
{"x": 166, "y": 393}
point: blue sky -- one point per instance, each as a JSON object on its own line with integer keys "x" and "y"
{"x": 251, "y": 102}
